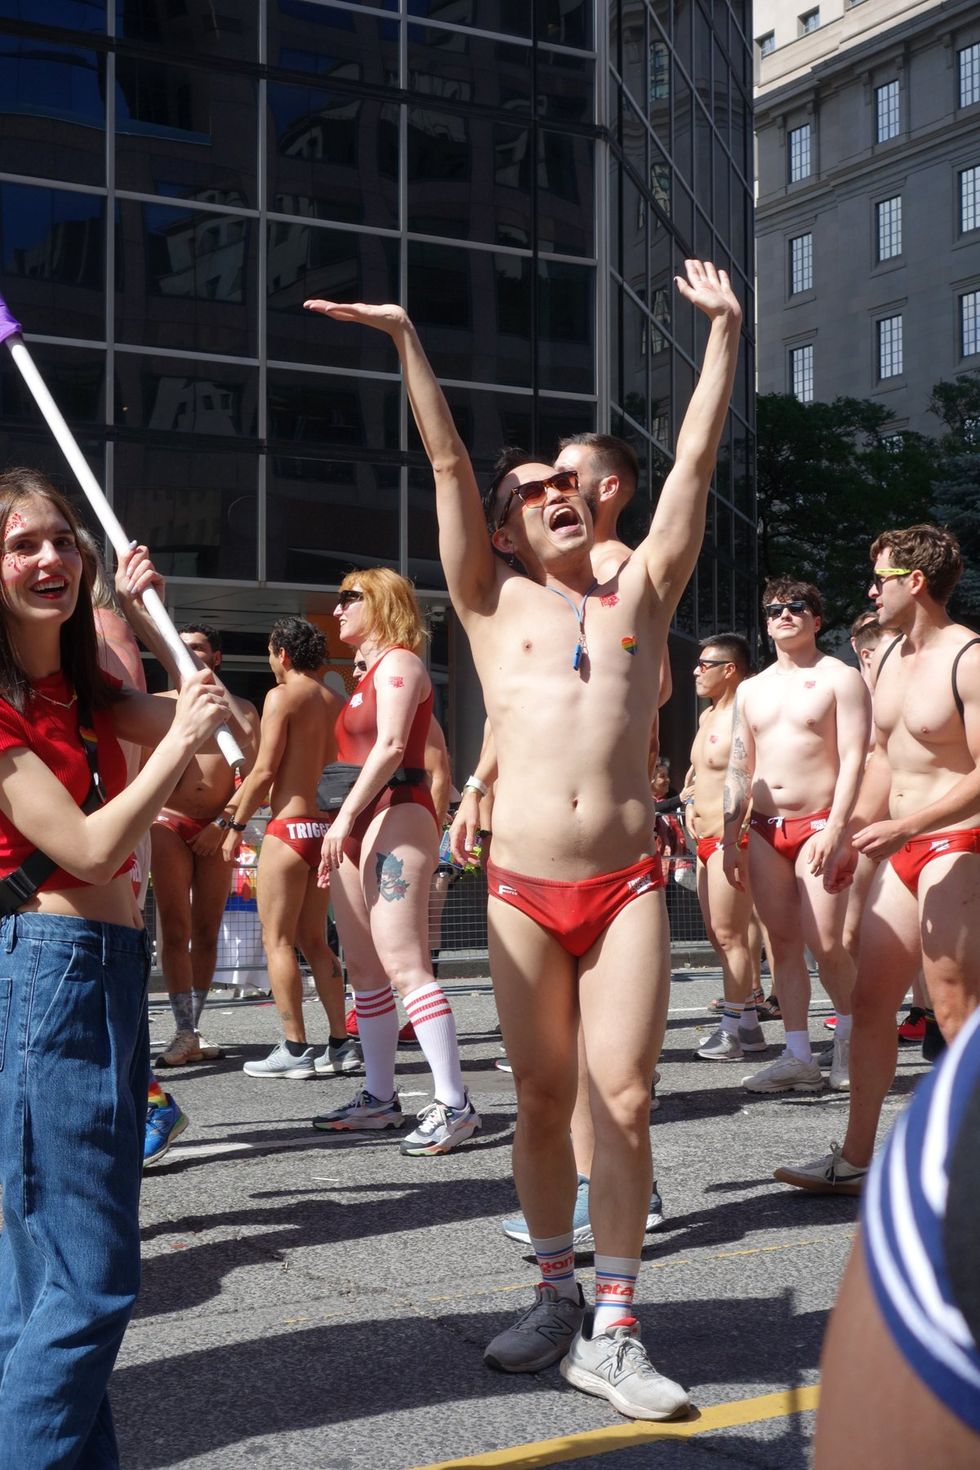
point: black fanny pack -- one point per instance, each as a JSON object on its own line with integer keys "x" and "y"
{"x": 20, "y": 886}
{"x": 337, "y": 780}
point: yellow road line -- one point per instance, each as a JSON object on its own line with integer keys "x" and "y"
{"x": 624, "y": 1436}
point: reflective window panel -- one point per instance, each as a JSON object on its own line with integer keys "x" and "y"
{"x": 327, "y": 517}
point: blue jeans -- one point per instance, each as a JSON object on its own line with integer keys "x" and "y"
{"x": 74, "y": 1060}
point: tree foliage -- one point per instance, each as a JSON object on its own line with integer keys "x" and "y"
{"x": 829, "y": 479}
{"x": 956, "y": 488}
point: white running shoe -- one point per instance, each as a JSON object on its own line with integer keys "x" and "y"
{"x": 183, "y": 1050}
{"x": 614, "y": 1366}
{"x": 441, "y": 1128}
{"x": 282, "y": 1064}
{"x": 840, "y": 1079}
{"x": 786, "y": 1074}
{"x": 830, "y": 1175}
{"x": 721, "y": 1046}
{"x": 365, "y": 1113}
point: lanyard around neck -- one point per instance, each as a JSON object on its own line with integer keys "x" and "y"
{"x": 582, "y": 647}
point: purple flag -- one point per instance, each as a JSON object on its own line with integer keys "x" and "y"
{"x": 8, "y": 325}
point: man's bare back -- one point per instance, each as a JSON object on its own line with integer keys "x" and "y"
{"x": 309, "y": 712}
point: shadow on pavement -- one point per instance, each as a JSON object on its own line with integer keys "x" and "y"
{"x": 320, "y": 1376}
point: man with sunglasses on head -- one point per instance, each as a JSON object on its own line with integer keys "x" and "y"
{"x": 918, "y": 818}
{"x": 799, "y": 741}
{"x": 570, "y": 667}
{"x": 729, "y": 917}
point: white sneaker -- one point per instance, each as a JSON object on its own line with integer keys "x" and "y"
{"x": 839, "y": 1079}
{"x": 786, "y": 1074}
{"x": 183, "y": 1050}
{"x": 614, "y": 1366}
{"x": 721, "y": 1046}
{"x": 282, "y": 1064}
{"x": 830, "y": 1175}
{"x": 441, "y": 1128}
{"x": 365, "y": 1113}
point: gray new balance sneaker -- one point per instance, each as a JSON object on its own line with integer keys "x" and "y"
{"x": 342, "y": 1058}
{"x": 282, "y": 1064}
{"x": 540, "y": 1336}
{"x": 614, "y": 1366}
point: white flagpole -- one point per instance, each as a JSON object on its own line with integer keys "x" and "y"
{"x": 10, "y": 332}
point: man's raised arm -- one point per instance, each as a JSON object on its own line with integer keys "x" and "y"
{"x": 464, "y": 545}
{"x": 677, "y": 530}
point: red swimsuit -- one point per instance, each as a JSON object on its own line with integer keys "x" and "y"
{"x": 788, "y": 835}
{"x": 708, "y": 846}
{"x": 303, "y": 834}
{"x": 909, "y": 861}
{"x": 357, "y": 732}
{"x": 576, "y": 914}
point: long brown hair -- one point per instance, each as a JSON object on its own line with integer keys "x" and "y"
{"x": 79, "y": 650}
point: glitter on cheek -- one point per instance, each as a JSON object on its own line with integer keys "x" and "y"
{"x": 15, "y": 522}
{"x": 13, "y": 566}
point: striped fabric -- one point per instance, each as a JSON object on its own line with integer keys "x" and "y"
{"x": 904, "y": 1215}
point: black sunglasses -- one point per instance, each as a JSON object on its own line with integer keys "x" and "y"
{"x": 360, "y": 666}
{"x": 796, "y": 605}
{"x": 535, "y": 492}
{"x": 349, "y": 595}
{"x": 711, "y": 663}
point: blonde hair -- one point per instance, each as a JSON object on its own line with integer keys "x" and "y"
{"x": 392, "y": 606}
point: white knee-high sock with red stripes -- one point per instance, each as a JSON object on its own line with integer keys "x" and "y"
{"x": 429, "y": 1012}
{"x": 377, "y": 1025}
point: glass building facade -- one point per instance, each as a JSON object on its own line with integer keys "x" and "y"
{"x": 526, "y": 176}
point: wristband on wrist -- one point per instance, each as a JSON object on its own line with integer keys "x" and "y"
{"x": 473, "y": 783}
{"x": 237, "y": 826}
{"x": 221, "y": 823}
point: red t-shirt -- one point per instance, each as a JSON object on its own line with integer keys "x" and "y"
{"x": 51, "y": 732}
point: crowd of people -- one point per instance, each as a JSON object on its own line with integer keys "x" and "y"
{"x": 828, "y": 809}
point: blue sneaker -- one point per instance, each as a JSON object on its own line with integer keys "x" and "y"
{"x": 516, "y": 1229}
{"x": 163, "y": 1125}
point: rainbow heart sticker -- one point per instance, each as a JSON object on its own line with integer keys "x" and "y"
{"x": 629, "y": 643}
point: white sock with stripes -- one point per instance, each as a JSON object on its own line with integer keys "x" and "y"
{"x": 430, "y": 1014}
{"x": 377, "y": 1025}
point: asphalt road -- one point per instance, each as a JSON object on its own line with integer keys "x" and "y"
{"x": 325, "y": 1302}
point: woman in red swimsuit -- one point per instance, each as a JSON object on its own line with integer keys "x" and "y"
{"x": 74, "y": 1048}
{"x": 381, "y": 849}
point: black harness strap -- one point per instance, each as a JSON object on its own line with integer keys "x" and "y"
{"x": 956, "y": 693}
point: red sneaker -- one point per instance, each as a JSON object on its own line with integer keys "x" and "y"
{"x": 406, "y": 1036}
{"x": 830, "y": 1024}
{"x": 913, "y": 1028}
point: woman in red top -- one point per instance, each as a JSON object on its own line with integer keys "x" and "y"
{"x": 381, "y": 850}
{"x": 74, "y": 1049}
